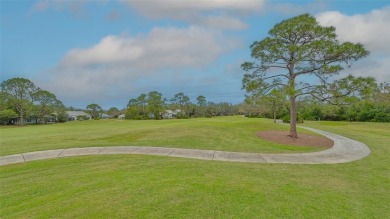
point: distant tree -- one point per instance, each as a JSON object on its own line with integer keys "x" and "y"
{"x": 114, "y": 112}
{"x": 212, "y": 109}
{"x": 137, "y": 107}
{"x": 276, "y": 98}
{"x": 382, "y": 93}
{"x": 155, "y": 103}
{"x": 254, "y": 107}
{"x": 202, "y": 103}
{"x": 299, "y": 48}
{"x": 46, "y": 104}
{"x": 72, "y": 108}
{"x": 61, "y": 115}
{"x": 182, "y": 101}
{"x": 142, "y": 101}
{"x": 94, "y": 110}
{"x": 381, "y": 99}
{"x": 132, "y": 102}
{"x": 191, "y": 110}
{"x": 201, "y": 100}
{"x": 225, "y": 109}
{"x": 132, "y": 111}
{"x": 20, "y": 91}
{"x": 310, "y": 108}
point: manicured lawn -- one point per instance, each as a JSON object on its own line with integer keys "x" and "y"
{"x": 140, "y": 186}
{"x": 224, "y": 133}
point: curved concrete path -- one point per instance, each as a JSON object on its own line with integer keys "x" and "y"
{"x": 344, "y": 150}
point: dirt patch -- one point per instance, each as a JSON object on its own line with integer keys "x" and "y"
{"x": 281, "y": 137}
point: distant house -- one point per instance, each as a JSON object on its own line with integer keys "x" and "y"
{"x": 105, "y": 116}
{"x": 168, "y": 114}
{"x": 34, "y": 120}
{"x": 171, "y": 114}
{"x": 78, "y": 115}
{"x": 121, "y": 116}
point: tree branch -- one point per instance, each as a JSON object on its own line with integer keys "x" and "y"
{"x": 274, "y": 76}
{"x": 306, "y": 87}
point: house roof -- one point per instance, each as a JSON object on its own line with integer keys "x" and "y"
{"x": 77, "y": 113}
{"x": 173, "y": 112}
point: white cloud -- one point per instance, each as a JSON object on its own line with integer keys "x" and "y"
{"x": 109, "y": 50}
{"x": 373, "y": 66}
{"x": 179, "y": 8}
{"x": 116, "y": 65}
{"x": 220, "y": 14}
{"x": 161, "y": 47}
{"x": 217, "y": 14}
{"x": 223, "y": 22}
{"x": 372, "y": 30}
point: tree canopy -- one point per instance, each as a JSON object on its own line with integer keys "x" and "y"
{"x": 20, "y": 91}
{"x": 182, "y": 101}
{"x": 23, "y": 96}
{"x": 94, "y": 110}
{"x": 155, "y": 103}
{"x": 46, "y": 104}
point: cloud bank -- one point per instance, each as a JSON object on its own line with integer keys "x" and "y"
{"x": 161, "y": 47}
{"x": 219, "y": 14}
{"x": 372, "y": 31}
{"x": 123, "y": 62}
{"x": 163, "y": 57}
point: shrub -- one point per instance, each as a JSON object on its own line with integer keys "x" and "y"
{"x": 286, "y": 119}
{"x": 6, "y": 116}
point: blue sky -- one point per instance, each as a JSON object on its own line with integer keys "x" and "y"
{"x": 107, "y": 51}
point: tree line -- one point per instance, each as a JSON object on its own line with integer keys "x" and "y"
{"x": 373, "y": 106}
{"x": 153, "y": 106}
{"x": 21, "y": 99}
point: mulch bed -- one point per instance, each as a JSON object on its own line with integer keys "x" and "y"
{"x": 282, "y": 137}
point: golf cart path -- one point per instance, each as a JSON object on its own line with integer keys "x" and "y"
{"x": 344, "y": 150}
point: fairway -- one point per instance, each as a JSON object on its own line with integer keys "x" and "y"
{"x": 140, "y": 186}
{"x": 233, "y": 133}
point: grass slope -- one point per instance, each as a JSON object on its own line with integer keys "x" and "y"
{"x": 223, "y": 133}
{"x": 140, "y": 186}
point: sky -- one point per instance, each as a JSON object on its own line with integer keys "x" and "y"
{"x": 110, "y": 51}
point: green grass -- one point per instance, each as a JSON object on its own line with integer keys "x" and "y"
{"x": 224, "y": 133}
{"x": 140, "y": 186}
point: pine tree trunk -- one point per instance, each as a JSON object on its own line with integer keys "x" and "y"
{"x": 293, "y": 116}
